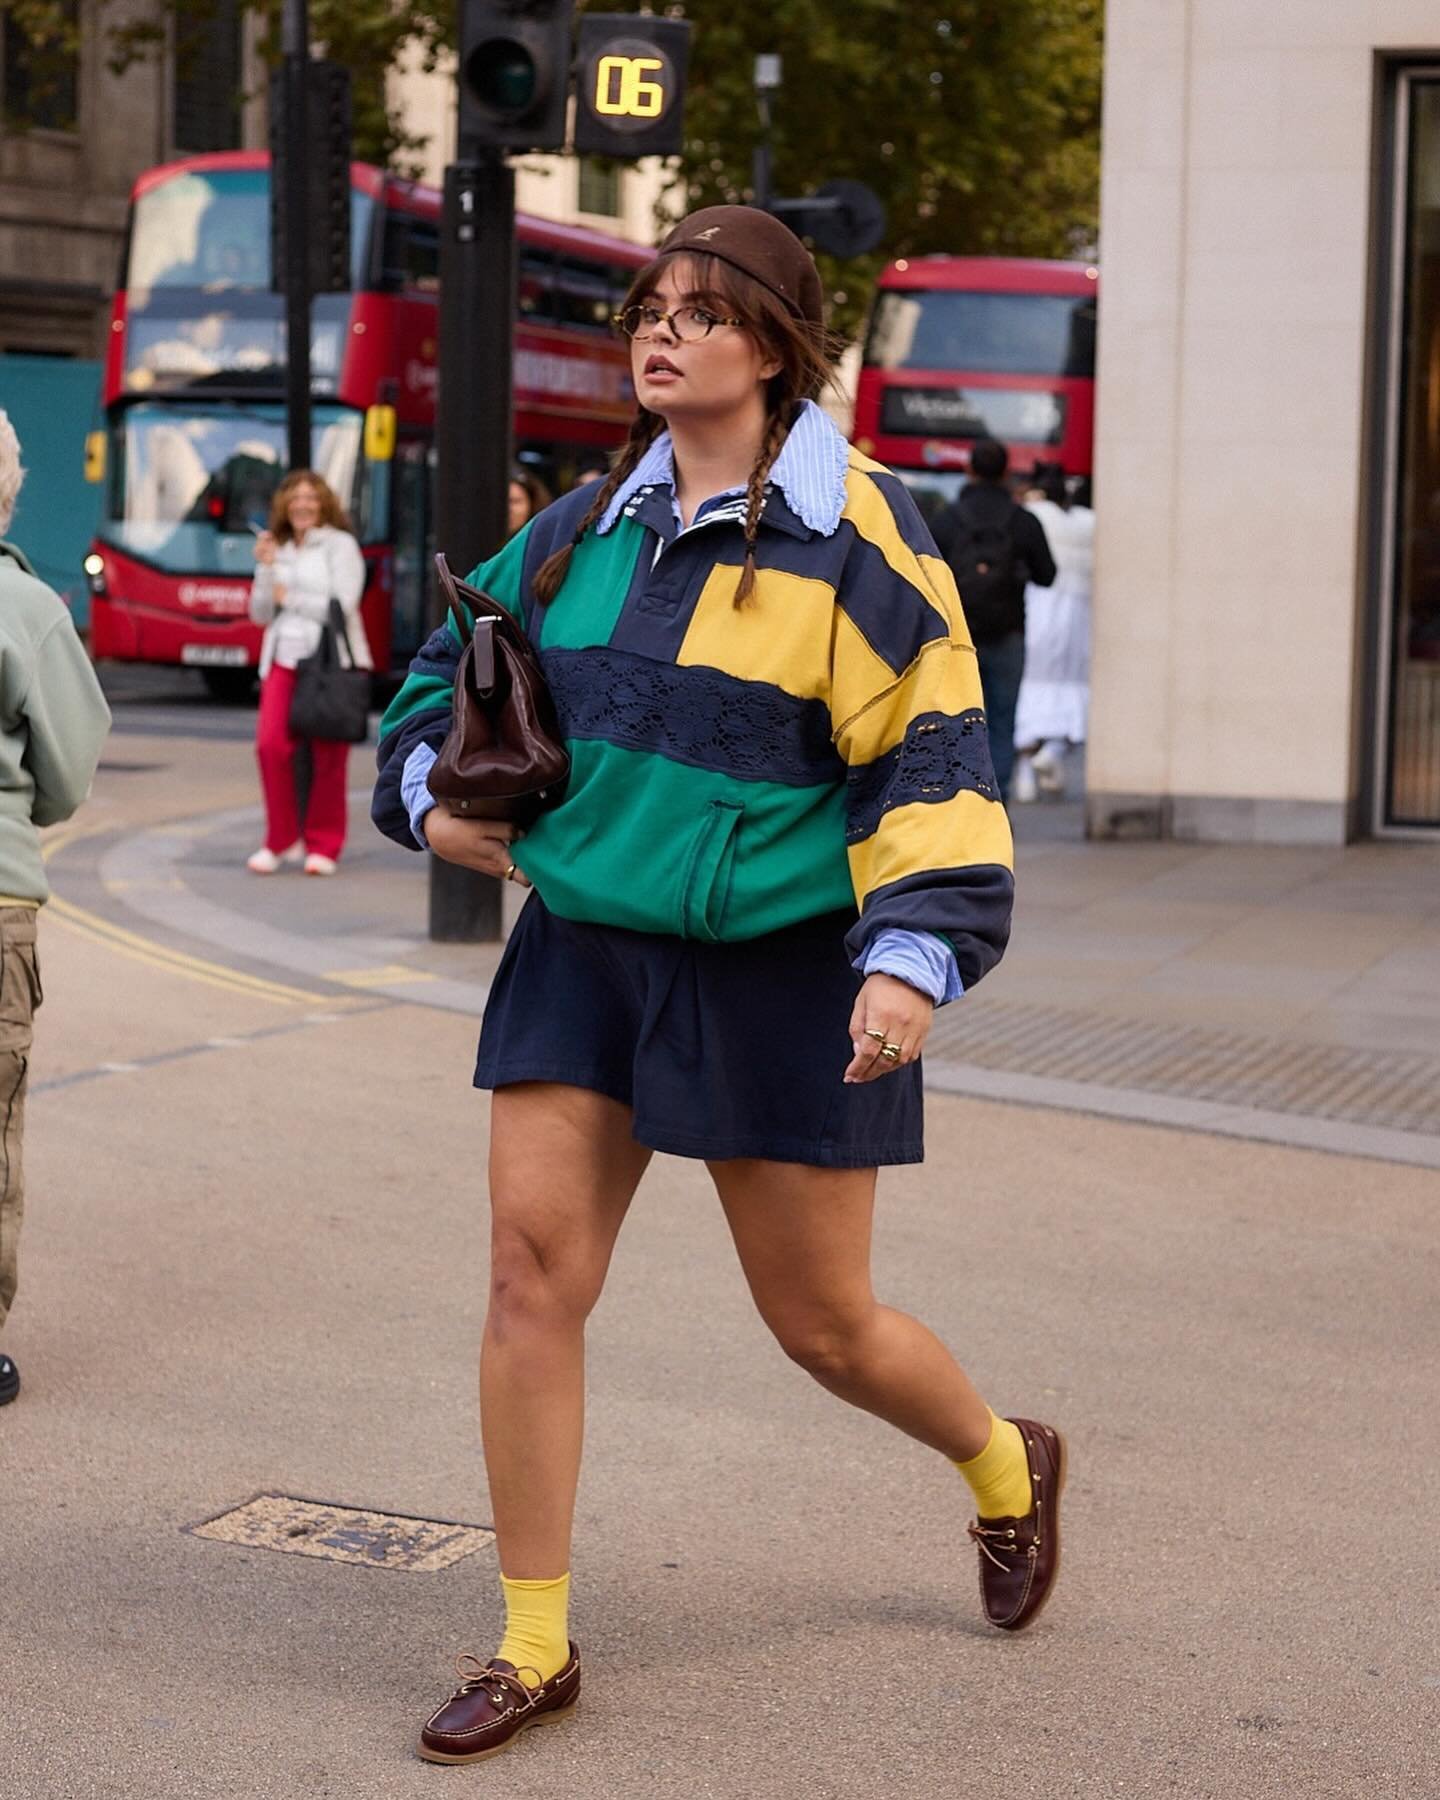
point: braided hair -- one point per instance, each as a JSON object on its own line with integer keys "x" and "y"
{"x": 777, "y": 429}
{"x": 645, "y": 427}
{"x": 805, "y": 353}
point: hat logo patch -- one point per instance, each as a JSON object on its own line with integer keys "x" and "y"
{"x": 709, "y": 233}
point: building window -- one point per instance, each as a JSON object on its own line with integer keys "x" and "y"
{"x": 41, "y": 71}
{"x": 209, "y": 77}
{"x": 599, "y": 187}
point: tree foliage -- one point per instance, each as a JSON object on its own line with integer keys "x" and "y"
{"x": 977, "y": 121}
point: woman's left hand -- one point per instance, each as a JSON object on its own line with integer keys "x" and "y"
{"x": 900, "y": 1013}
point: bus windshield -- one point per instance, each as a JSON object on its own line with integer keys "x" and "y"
{"x": 191, "y": 486}
{"x": 983, "y": 333}
{"x": 211, "y": 230}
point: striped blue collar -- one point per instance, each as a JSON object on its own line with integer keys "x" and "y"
{"x": 809, "y": 472}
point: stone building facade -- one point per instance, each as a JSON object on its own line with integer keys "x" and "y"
{"x": 69, "y": 156}
{"x": 1267, "y": 654}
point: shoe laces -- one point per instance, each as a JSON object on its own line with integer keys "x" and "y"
{"x": 1003, "y": 1537}
{"x": 496, "y": 1684}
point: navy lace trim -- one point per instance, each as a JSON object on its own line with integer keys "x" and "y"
{"x": 693, "y": 715}
{"x": 943, "y": 754}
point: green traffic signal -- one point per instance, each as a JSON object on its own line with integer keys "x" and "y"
{"x": 502, "y": 75}
{"x": 514, "y": 74}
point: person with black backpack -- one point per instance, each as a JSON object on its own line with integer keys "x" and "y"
{"x": 994, "y": 546}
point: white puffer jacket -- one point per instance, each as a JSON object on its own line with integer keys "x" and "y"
{"x": 291, "y": 597}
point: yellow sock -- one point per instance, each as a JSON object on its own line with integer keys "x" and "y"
{"x": 537, "y": 1631}
{"x": 999, "y": 1476}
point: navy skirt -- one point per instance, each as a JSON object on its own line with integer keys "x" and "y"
{"x": 720, "y": 1050}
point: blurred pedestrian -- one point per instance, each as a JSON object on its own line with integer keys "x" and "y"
{"x": 53, "y": 721}
{"x": 592, "y": 466}
{"x": 780, "y": 848}
{"x": 528, "y": 496}
{"x": 994, "y": 547}
{"x": 1052, "y": 712}
{"x": 307, "y": 558}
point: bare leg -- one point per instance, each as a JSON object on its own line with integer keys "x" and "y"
{"x": 563, "y": 1170}
{"x": 803, "y": 1235}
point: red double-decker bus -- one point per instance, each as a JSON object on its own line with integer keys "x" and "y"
{"x": 965, "y": 347}
{"x": 194, "y": 442}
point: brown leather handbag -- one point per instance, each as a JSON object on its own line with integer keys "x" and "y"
{"x": 504, "y": 757}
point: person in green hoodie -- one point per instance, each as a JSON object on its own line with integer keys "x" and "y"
{"x": 53, "y": 720}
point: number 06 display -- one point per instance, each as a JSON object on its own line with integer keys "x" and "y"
{"x": 631, "y": 86}
{"x": 621, "y": 88}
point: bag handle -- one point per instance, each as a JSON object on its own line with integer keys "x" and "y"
{"x": 482, "y": 606}
{"x": 337, "y": 624}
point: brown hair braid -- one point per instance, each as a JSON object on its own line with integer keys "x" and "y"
{"x": 777, "y": 429}
{"x": 645, "y": 427}
{"x": 805, "y": 351}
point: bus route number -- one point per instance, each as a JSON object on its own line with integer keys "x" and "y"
{"x": 623, "y": 88}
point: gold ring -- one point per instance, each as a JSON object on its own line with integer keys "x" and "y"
{"x": 879, "y": 1036}
{"x": 510, "y": 873}
{"x": 891, "y": 1052}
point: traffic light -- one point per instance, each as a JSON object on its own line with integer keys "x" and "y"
{"x": 843, "y": 218}
{"x": 630, "y": 85}
{"x": 326, "y": 174}
{"x": 514, "y": 74}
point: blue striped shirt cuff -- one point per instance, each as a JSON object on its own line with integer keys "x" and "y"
{"x": 919, "y": 957}
{"x": 414, "y": 791}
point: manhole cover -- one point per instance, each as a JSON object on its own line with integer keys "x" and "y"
{"x": 344, "y": 1533}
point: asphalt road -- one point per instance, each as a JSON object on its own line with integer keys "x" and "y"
{"x": 254, "y": 1262}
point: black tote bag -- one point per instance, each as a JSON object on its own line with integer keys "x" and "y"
{"x": 332, "y": 697}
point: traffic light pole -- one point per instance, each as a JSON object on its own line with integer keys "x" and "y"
{"x": 295, "y": 43}
{"x": 473, "y": 449}
{"x": 767, "y": 82}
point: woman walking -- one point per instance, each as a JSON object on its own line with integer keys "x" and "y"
{"x": 1052, "y": 712}
{"x": 528, "y": 495}
{"x": 306, "y": 559}
{"x": 773, "y": 712}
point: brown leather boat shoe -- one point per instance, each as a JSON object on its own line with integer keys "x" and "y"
{"x": 1020, "y": 1558}
{"x": 492, "y": 1706}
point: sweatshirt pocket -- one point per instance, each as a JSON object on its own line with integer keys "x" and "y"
{"x": 708, "y": 869}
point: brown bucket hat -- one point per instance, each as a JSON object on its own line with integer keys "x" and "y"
{"x": 758, "y": 245}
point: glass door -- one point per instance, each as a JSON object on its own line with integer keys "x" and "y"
{"x": 1409, "y": 712}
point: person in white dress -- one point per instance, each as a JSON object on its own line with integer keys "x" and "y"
{"x": 1052, "y": 712}
{"x": 306, "y": 559}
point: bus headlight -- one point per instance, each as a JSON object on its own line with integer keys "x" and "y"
{"x": 94, "y": 566}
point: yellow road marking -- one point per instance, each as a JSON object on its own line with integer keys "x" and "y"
{"x": 177, "y": 962}
{"x": 174, "y": 962}
{"x": 389, "y": 976}
{"x": 59, "y": 838}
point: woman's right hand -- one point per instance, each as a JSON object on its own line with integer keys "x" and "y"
{"x": 265, "y": 548}
{"x": 480, "y": 844}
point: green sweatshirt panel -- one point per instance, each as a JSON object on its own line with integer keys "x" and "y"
{"x": 589, "y": 604}
{"x": 653, "y": 845}
{"x": 583, "y": 613}
{"x": 499, "y": 576}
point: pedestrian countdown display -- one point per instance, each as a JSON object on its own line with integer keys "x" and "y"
{"x": 630, "y": 85}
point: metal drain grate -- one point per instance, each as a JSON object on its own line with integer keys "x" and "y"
{"x": 344, "y": 1534}
{"x": 1397, "y": 1089}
